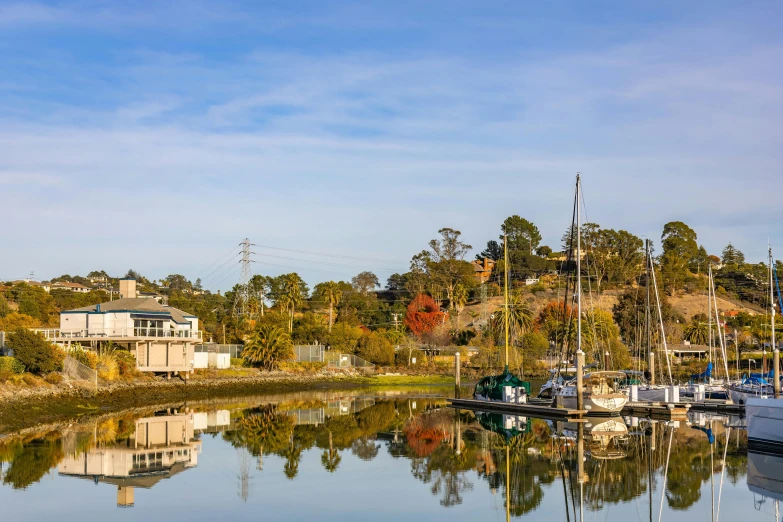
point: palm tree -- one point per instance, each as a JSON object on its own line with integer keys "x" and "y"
{"x": 292, "y": 295}
{"x": 331, "y": 293}
{"x": 520, "y": 319}
{"x": 460, "y": 298}
{"x": 267, "y": 345}
{"x": 331, "y": 457}
{"x": 697, "y": 332}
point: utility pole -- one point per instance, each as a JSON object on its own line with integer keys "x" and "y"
{"x": 484, "y": 304}
{"x": 395, "y": 315}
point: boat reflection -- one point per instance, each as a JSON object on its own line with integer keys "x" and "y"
{"x": 765, "y": 479}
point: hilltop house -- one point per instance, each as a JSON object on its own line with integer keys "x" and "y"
{"x": 71, "y": 287}
{"x": 482, "y": 269}
{"x": 160, "y": 337}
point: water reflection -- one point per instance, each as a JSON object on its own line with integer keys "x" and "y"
{"x": 459, "y": 458}
{"x": 158, "y": 448}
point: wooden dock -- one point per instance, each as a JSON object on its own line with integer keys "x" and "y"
{"x": 657, "y": 410}
{"x": 718, "y": 407}
{"x": 534, "y": 410}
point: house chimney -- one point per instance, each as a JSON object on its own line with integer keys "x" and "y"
{"x": 127, "y": 288}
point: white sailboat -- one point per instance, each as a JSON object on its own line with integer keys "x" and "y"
{"x": 753, "y": 387}
{"x": 599, "y": 393}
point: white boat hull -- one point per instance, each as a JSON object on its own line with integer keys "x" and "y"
{"x": 765, "y": 422}
{"x": 603, "y": 404}
{"x": 738, "y": 395}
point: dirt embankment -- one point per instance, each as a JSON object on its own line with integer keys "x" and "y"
{"x": 687, "y": 305}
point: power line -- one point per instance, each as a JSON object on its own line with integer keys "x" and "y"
{"x": 358, "y": 258}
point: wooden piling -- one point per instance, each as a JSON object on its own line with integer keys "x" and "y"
{"x": 580, "y": 363}
{"x": 776, "y": 371}
{"x": 652, "y": 367}
{"x": 456, "y": 374}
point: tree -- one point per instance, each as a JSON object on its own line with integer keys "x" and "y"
{"x": 493, "y": 251}
{"x": 197, "y": 284}
{"x": 700, "y": 261}
{"x": 520, "y": 320}
{"x": 544, "y": 251}
{"x": 732, "y": 256}
{"x": 460, "y": 299}
{"x": 330, "y": 459}
{"x": 534, "y": 345}
{"x": 267, "y": 346}
{"x": 629, "y": 313}
{"x": 521, "y": 234}
{"x": 376, "y": 348}
{"x": 33, "y": 350}
{"x": 446, "y": 265}
{"x": 177, "y": 282}
{"x": 290, "y": 291}
{"x": 331, "y": 293}
{"x": 697, "y": 332}
{"x": 15, "y": 320}
{"x": 423, "y": 315}
{"x": 365, "y": 282}
{"x": 679, "y": 248}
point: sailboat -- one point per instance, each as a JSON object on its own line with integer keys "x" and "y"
{"x": 599, "y": 392}
{"x": 505, "y": 387}
{"x": 756, "y": 386}
{"x": 712, "y": 389}
{"x": 645, "y": 391}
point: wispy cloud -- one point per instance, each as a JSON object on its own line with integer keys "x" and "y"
{"x": 374, "y": 149}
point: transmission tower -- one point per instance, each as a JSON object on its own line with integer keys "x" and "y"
{"x": 242, "y": 298}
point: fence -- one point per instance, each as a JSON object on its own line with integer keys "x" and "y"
{"x": 55, "y": 334}
{"x": 317, "y": 353}
{"x": 73, "y": 370}
{"x": 234, "y": 350}
{"x": 309, "y": 353}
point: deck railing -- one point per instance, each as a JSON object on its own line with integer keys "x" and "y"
{"x": 55, "y": 334}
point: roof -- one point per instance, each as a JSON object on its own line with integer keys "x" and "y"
{"x": 69, "y": 285}
{"x": 144, "y": 304}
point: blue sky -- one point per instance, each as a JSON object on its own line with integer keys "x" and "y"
{"x": 156, "y": 135}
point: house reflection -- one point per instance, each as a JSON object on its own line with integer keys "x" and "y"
{"x": 159, "y": 448}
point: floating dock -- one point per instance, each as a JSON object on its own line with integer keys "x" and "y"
{"x": 534, "y": 410}
{"x": 718, "y": 407}
{"x": 657, "y": 410}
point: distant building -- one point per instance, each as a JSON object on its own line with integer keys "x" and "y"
{"x": 99, "y": 281}
{"x": 482, "y": 269}
{"x": 161, "y": 337}
{"x": 45, "y": 286}
{"x": 531, "y": 281}
{"x": 71, "y": 287}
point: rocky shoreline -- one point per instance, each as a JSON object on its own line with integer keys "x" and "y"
{"x": 27, "y": 407}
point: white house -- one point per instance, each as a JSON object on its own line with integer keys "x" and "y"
{"x": 161, "y": 337}
{"x": 71, "y": 287}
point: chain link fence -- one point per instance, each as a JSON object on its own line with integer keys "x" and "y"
{"x": 309, "y": 353}
{"x": 234, "y": 350}
{"x": 73, "y": 370}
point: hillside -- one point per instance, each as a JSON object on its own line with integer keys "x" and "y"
{"x": 686, "y": 305}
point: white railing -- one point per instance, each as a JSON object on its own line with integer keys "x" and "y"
{"x": 55, "y": 334}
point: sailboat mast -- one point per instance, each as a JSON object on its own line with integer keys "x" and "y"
{"x": 578, "y": 268}
{"x": 709, "y": 309}
{"x": 505, "y": 291}
{"x": 772, "y": 299}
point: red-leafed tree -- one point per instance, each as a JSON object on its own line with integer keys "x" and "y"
{"x": 423, "y": 315}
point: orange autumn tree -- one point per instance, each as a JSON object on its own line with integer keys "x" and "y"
{"x": 423, "y": 315}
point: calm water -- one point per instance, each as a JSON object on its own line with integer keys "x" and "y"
{"x": 337, "y": 456}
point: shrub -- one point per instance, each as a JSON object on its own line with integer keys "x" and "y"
{"x": 30, "y": 380}
{"x": 402, "y": 357}
{"x": 36, "y": 353}
{"x": 126, "y": 363}
{"x": 302, "y": 367}
{"x": 11, "y": 365}
{"x": 107, "y": 367}
{"x": 376, "y": 348}
{"x": 85, "y": 357}
{"x": 54, "y": 378}
{"x": 237, "y": 361}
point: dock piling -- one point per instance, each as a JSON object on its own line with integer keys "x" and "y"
{"x": 580, "y": 364}
{"x": 652, "y": 367}
{"x": 776, "y": 371}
